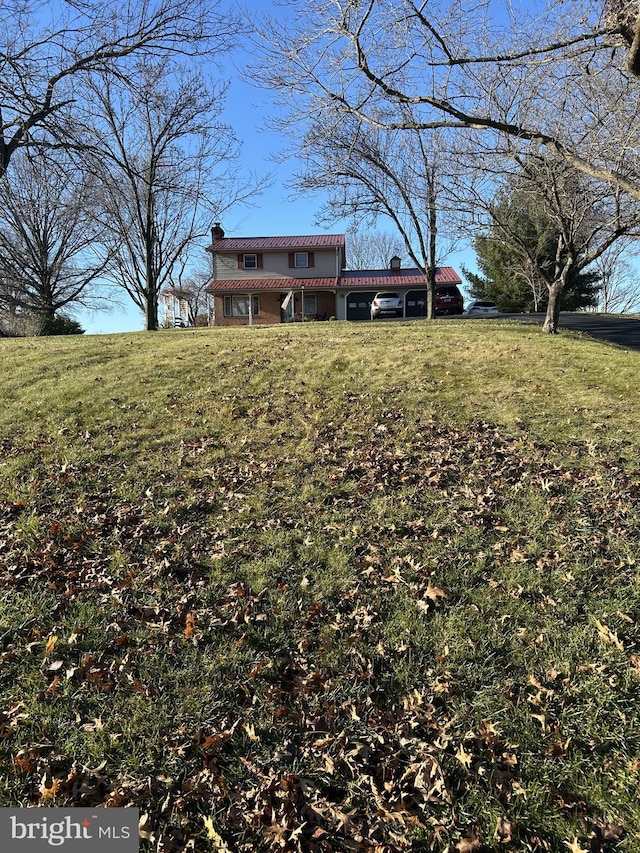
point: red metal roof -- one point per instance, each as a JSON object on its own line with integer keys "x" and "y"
{"x": 364, "y": 279}
{"x": 264, "y": 244}
{"x": 377, "y": 279}
{"x": 247, "y": 285}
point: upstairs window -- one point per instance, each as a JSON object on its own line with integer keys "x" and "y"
{"x": 300, "y": 260}
{"x": 250, "y": 261}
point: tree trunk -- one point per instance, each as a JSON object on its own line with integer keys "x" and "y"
{"x": 152, "y": 312}
{"x": 433, "y": 229}
{"x": 550, "y": 325}
{"x": 431, "y": 293}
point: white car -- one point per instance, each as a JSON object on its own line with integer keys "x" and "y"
{"x": 482, "y": 308}
{"x": 386, "y": 305}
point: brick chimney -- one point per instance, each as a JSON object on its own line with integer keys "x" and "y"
{"x": 216, "y": 232}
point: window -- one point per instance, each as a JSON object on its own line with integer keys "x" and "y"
{"x": 309, "y": 309}
{"x": 250, "y": 261}
{"x": 238, "y": 306}
{"x": 301, "y": 260}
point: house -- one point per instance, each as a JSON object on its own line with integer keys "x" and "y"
{"x": 258, "y": 280}
{"x": 186, "y": 304}
{"x": 265, "y": 280}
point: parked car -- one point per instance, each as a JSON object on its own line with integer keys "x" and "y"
{"x": 386, "y": 304}
{"x": 482, "y": 308}
{"x": 448, "y": 299}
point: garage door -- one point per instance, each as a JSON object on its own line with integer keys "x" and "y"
{"x": 358, "y": 304}
{"x": 416, "y": 303}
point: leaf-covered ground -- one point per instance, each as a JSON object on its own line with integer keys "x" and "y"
{"x": 284, "y": 610}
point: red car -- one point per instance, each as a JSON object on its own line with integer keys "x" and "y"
{"x": 448, "y": 299}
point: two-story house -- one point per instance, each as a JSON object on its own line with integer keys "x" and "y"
{"x": 259, "y": 280}
{"x": 264, "y": 280}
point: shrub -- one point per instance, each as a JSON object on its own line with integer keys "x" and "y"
{"x": 61, "y": 324}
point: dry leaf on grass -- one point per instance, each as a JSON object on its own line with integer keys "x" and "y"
{"x": 470, "y": 844}
{"x": 605, "y": 633}
{"x": 219, "y": 843}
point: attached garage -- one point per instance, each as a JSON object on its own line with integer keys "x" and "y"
{"x": 415, "y": 303}
{"x": 359, "y": 304}
{"x": 357, "y": 289}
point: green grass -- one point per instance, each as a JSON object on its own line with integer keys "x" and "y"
{"x": 329, "y": 586}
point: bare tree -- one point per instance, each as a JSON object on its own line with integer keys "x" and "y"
{"x": 619, "y": 281}
{"x": 49, "y": 50}
{"x": 577, "y": 221}
{"x": 529, "y": 272}
{"x": 371, "y": 249}
{"x": 166, "y": 165}
{"x": 370, "y": 174}
{"x": 553, "y": 78}
{"x": 185, "y": 302}
{"x": 50, "y": 253}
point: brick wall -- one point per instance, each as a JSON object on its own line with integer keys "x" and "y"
{"x": 269, "y": 312}
{"x": 270, "y": 309}
{"x": 326, "y": 303}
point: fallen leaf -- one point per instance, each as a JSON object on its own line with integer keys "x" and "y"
{"x": 190, "y": 625}
{"x": 503, "y": 830}
{"x": 251, "y": 732}
{"x": 542, "y": 719}
{"x": 49, "y": 792}
{"x": 52, "y": 689}
{"x": 218, "y": 842}
{"x": 574, "y": 847}
{"x": 25, "y": 764}
{"x": 464, "y": 757}
{"x": 434, "y": 592}
{"x": 605, "y": 633}
{"x": 469, "y": 844}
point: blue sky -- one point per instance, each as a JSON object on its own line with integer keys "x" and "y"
{"x": 274, "y": 212}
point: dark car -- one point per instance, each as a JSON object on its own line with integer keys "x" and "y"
{"x": 448, "y": 299}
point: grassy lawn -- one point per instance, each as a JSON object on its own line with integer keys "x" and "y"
{"x": 325, "y": 588}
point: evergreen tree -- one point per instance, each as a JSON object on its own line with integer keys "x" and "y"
{"x": 516, "y": 253}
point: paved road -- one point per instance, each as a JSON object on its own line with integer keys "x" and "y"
{"x": 624, "y": 331}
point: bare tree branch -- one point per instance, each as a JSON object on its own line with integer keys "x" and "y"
{"x": 455, "y": 67}
{"x": 44, "y": 63}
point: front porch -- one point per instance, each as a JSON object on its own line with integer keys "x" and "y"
{"x": 262, "y": 307}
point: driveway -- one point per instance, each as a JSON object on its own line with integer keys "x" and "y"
{"x": 624, "y": 331}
